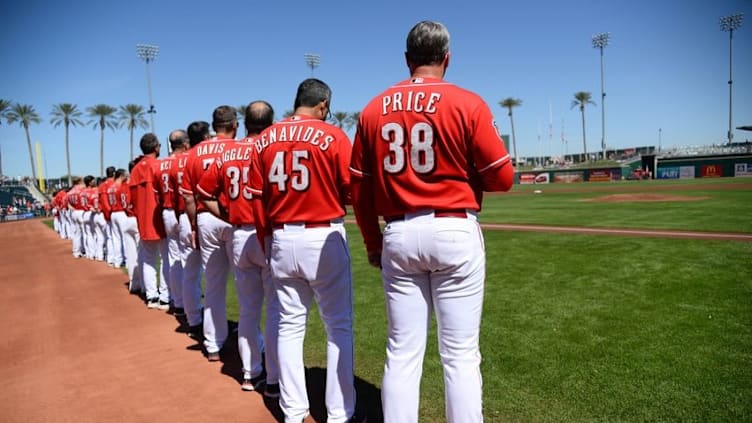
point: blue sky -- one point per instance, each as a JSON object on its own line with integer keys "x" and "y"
{"x": 666, "y": 66}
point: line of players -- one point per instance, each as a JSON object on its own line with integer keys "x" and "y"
{"x": 183, "y": 209}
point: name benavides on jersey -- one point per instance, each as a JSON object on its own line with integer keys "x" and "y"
{"x": 294, "y": 133}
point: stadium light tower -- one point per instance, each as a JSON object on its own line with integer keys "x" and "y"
{"x": 148, "y": 53}
{"x": 312, "y": 60}
{"x": 729, "y": 24}
{"x": 600, "y": 41}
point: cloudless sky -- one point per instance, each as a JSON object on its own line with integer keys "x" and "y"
{"x": 667, "y": 65}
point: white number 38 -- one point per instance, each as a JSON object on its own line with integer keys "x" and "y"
{"x": 422, "y": 155}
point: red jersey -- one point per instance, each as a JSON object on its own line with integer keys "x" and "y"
{"x": 60, "y": 201}
{"x": 74, "y": 197}
{"x": 114, "y": 202}
{"x": 200, "y": 158}
{"x": 92, "y": 199}
{"x": 299, "y": 170}
{"x": 104, "y": 204}
{"x": 124, "y": 196}
{"x": 144, "y": 199}
{"x": 425, "y": 144}
{"x": 166, "y": 189}
{"x": 228, "y": 178}
{"x": 176, "y": 179}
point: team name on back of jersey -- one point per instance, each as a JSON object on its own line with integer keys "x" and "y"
{"x": 209, "y": 148}
{"x": 294, "y": 133}
{"x": 241, "y": 152}
{"x": 410, "y": 101}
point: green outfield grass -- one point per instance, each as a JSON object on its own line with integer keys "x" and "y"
{"x": 591, "y": 328}
{"x": 718, "y": 210}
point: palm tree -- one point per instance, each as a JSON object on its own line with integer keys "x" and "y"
{"x": 338, "y": 118}
{"x": 240, "y": 112}
{"x": 25, "y": 115}
{"x": 4, "y": 106}
{"x": 132, "y": 116}
{"x": 352, "y": 120}
{"x": 510, "y": 103}
{"x": 67, "y": 114}
{"x": 104, "y": 117}
{"x": 582, "y": 99}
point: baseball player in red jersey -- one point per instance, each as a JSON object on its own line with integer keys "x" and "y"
{"x": 76, "y": 209}
{"x": 178, "y": 140}
{"x": 424, "y": 152}
{"x": 104, "y": 207}
{"x": 117, "y": 216}
{"x": 89, "y": 200}
{"x": 60, "y": 202}
{"x": 299, "y": 181}
{"x": 190, "y": 257}
{"x": 214, "y": 234}
{"x": 228, "y": 176}
{"x": 131, "y": 237}
{"x": 148, "y": 212}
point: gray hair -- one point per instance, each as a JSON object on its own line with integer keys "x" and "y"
{"x": 427, "y": 43}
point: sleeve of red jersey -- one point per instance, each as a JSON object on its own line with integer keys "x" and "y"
{"x": 186, "y": 185}
{"x": 210, "y": 184}
{"x": 489, "y": 153}
{"x": 361, "y": 188}
{"x": 104, "y": 204}
{"x": 344, "y": 156}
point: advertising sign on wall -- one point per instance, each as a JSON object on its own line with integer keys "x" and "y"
{"x": 668, "y": 173}
{"x": 743, "y": 169}
{"x": 686, "y": 172}
{"x": 600, "y": 175}
{"x": 534, "y": 178}
{"x": 527, "y": 178}
{"x": 568, "y": 177}
{"x": 711, "y": 171}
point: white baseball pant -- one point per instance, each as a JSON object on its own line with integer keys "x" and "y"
{"x": 56, "y": 222}
{"x": 190, "y": 260}
{"x": 174, "y": 273}
{"x": 77, "y": 232}
{"x": 308, "y": 263}
{"x": 110, "y": 243}
{"x": 150, "y": 251}
{"x": 253, "y": 282}
{"x": 215, "y": 238}
{"x": 131, "y": 251}
{"x": 100, "y": 236}
{"x": 117, "y": 220}
{"x": 88, "y": 224}
{"x": 432, "y": 265}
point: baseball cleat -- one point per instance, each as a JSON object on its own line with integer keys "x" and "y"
{"x": 163, "y": 305}
{"x": 153, "y": 303}
{"x": 212, "y": 356}
{"x": 253, "y": 383}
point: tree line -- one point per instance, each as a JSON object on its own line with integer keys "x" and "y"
{"x": 104, "y": 116}
{"x": 133, "y": 116}
{"x": 101, "y": 116}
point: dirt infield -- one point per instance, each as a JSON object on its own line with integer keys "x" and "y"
{"x": 78, "y": 348}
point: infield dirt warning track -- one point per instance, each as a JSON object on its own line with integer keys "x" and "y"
{"x": 76, "y": 347}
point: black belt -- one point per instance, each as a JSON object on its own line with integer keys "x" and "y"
{"x": 461, "y": 213}
{"x": 318, "y": 224}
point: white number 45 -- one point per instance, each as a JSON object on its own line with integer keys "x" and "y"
{"x": 300, "y": 175}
